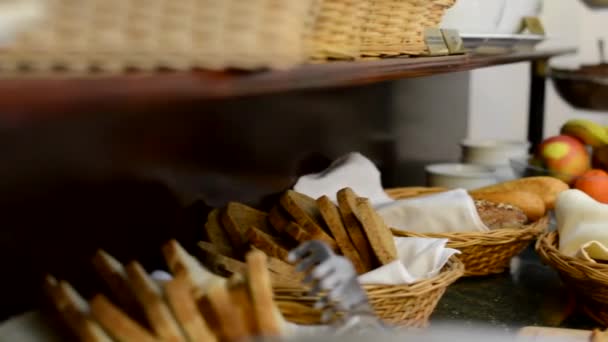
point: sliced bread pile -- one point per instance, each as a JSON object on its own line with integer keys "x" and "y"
{"x": 195, "y": 305}
{"x": 352, "y": 228}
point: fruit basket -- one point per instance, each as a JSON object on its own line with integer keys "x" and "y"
{"x": 482, "y": 253}
{"x": 402, "y": 305}
{"x": 588, "y": 280}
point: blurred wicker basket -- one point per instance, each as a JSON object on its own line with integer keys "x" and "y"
{"x": 143, "y": 34}
{"x": 337, "y": 31}
{"x": 482, "y": 253}
{"x": 588, "y": 280}
{"x": 403, "y": 305}
{"x": 396, "y": 27}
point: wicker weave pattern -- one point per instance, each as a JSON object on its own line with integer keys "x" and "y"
{"x": 589, "y": 281}
{"x": 482, "y": 253}
{"x": 404, "y": 305}
{"x": 213, "y": 34}
{"x": 337, "y": 32}
{"x": 394, "y": 27}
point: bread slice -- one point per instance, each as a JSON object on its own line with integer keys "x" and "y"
{"x": 267, "y": 243}
{"x": 74, "y": 311}
{"x": 237, "y": 218}
{"x": 219, "y": 263}
{"x": 378, "y": 234}
{"x": 331, "y": 215}
{"x": 216, "y": 234}
{"x": 225, "y": 311}
{"x": 305, "y": 212}
{"x": 113, "y": 273}
{"x": 269, "y": 320}
{"x": 117, "y": 323}
{"x": 347, "y": 202}
{"x": 179, "y": 260}
{"x": 278, "y": 218}
{"x": 150, "y": 296}
{"x": 181, "y": 300}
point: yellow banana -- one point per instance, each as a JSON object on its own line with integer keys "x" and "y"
{"x": 588, "y": 131}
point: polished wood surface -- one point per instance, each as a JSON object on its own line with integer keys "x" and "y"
{"x": 34, "y": 97}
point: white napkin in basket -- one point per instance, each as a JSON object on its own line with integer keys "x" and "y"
{"x": 445, "y": 212}
{"x": 352, "y": 170}
{"x": 419, "y": 259}
{"x": 582, "y": 224}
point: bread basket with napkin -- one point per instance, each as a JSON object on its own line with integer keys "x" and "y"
{"x": 487, "y": 246}
{"x": 578, "y": 250}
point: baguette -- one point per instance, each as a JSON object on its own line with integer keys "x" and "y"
{"x": 150, "y": 296}
{"x": 181, "y": 300}
{"x": 269, "y": 319}
{"x": 224, "y": 310}
{"x": 179, "y": 260}
{"x": 530, "y": 203}
{"x": 113, "y": 274}
{"x": 546, "y": 187}
{"x": 74, "y": 311}
{"x": 117, "y": 323}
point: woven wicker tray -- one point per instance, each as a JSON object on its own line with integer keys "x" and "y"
{"x": 482, "y": 253}
{"x": 588, "y": 280}
{"x": 403, "y": 305}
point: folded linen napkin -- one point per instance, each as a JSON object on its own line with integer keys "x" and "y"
{"x": 419, "y": 259}
{"x": 582, "y": 223}
{"x": 352, "y": 170}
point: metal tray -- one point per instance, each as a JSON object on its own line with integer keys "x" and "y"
{"x": 500, "y": 43}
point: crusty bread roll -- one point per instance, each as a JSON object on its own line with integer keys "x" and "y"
{"x": 500, "y": 215}
{"x": 531, "y": 204}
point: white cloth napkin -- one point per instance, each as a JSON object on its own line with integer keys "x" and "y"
{"x": 352, "y": 170}
{"x": 446, "y": 212}
{"x": 582, "y": 223}
{"x": 419, "y": 259}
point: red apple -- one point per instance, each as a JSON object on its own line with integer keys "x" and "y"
{"x": 565, "y": 157}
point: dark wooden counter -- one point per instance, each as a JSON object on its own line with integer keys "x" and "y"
{"x": 33, "y": 97}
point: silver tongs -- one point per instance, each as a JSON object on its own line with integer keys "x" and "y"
{"x": 334, "y": 279}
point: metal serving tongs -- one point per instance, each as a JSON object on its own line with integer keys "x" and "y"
{"x": 334, "y": 278}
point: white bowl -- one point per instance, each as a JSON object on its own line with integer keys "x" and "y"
{"x": 495, "y": 154}
{"x": 489, "y": 152}
{"x": 462, "y": 176}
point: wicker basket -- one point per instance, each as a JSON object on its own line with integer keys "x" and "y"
{"x": 396, "y": 27}
{"x": 588, "y": 280}
{"x": 337, "y": 31}
{"x": 483, "y": 253}
{"x": 403, "y": 305}
{"x": 113, "y": 35}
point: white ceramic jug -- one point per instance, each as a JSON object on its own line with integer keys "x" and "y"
{"x": 475, "y": 16}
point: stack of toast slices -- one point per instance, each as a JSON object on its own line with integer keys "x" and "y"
{"x": 352, "y": 229}
{"x": 194, "y": 305}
